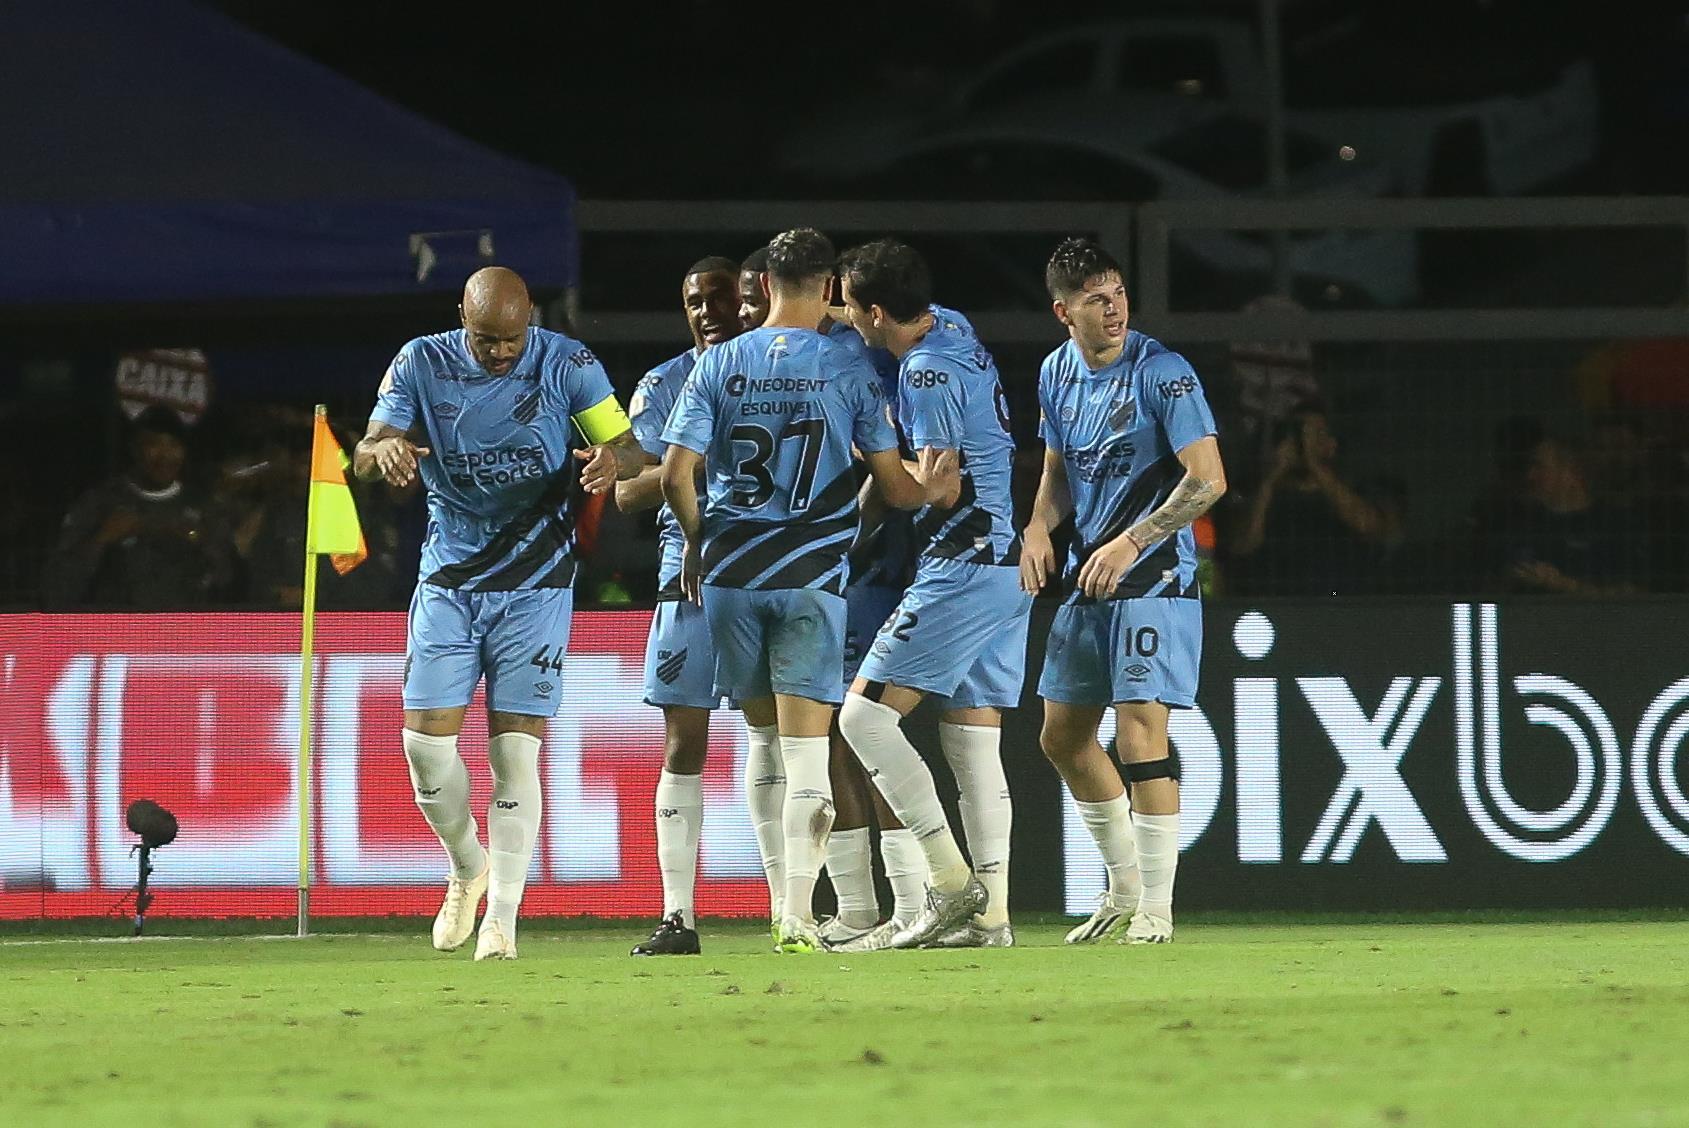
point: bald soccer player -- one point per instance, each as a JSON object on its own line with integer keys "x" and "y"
{"x": 495, "y": 408}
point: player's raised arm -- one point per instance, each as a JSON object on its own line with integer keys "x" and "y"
{"x": 1050, "y": 508}
{"x": 384, "y": 452}
{"x": 936, "y": 476}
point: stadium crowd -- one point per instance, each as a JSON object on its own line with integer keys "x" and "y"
{"x": 1585, "y": 500}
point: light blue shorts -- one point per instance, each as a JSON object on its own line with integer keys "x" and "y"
{"x": 958, "y": 633}
{"x": 789, "y": 641}
{"x": 1124, "y": 650}
{"x": 867, "y": 607}
{"x": 516, "y": 638}
{"x": 679, "y": 658}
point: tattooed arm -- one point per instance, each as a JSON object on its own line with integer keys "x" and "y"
{"x": 1203, "y": 484}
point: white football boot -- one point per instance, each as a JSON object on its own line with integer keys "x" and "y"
{"x": 1113, "y": 910}
{"x": 456, "y": 918}
{"x": 493, "y": 944}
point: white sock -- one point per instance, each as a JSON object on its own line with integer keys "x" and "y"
{"x": 1158, "y": 859}
{"x": 765, "y": 794}
{"x": 680, "y": 817}
{"x": 850, "y": 867}
{"x": 807, "y": 819}
{"x": 906, "y": 870}
{"x": 441, "y": 785}
{"x": 1110, "y": 824}
{"x": 973, "y": 752}
{"x": 875, "y": 734}
{"x": 513, "y": 822}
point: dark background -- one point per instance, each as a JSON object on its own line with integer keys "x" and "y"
{"x": 681, "y": 101}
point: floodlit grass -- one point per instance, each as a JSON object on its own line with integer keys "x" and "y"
{"x": 1571, "y": 1022}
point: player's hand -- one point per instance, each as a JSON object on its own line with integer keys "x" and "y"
{"x": 940, "y": 471}
{"x": 1037, "y": 559}
{"x": 1102, "y": 572}
{"x": 600, "y": 472}
{"x": 692, "y": 575}
{"x": 396, "y": 457}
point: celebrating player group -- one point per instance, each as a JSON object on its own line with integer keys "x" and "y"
{"x": 832, "y": 460}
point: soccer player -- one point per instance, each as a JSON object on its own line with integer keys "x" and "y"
{"x": 771, "y": 416}
{"x": 679, "y": 660}
{"x": 1131, "y": 453}
{"x": 753, "y": 289}
{"x": 495, "y": 400}
{"x": 960, "y": 630}
{"x": 880, "y": 566}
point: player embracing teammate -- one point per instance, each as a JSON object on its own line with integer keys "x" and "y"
{"x": 759, "y": 429}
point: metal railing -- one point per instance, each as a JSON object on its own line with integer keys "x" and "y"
{"x": 1158, "y": 224}
{"x": 1142, "y": 235}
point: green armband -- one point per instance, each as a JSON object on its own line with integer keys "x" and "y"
{"x": 603, "y": 421}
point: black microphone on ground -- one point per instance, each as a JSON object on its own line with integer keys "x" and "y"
{"x": 156, "y": 827}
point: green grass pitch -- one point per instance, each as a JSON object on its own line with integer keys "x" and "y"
{"x": 1239, "y": 1023}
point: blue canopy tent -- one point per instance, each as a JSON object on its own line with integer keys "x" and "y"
{"x": 160, "y": 152}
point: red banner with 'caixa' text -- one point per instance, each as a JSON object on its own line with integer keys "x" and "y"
{"x": 200, "y": 714}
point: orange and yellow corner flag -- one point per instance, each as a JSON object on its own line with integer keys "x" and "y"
{"x": 331, "y": 521}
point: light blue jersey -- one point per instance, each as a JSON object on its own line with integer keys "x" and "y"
{"x": 501, "y": 480}
{"x": 949, "y": 397}
{"x": 959, "y": 631}
{"x": 1119, "y": 430}
{"x": 649, "y": 411}
{"x": 775, "y": 413}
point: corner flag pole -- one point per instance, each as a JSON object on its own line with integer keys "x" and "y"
{"x": 332, "y": 530}
{"x": 307, "y": 646}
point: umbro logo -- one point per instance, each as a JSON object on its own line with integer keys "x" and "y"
{"x": 670, "y": 665}
{"x": 544, "y": 688}
{"x": 446, "y": 410}
{"x": 1137, "y": 671}
{"x": 505, "y": 804}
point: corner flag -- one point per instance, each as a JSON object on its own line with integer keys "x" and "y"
{"x": 331, "y": 522}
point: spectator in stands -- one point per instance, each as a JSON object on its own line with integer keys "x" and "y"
{"x": 1307, "y": 530}
{"x": 142, "y": 539}
{"x": 264, "y": 494}
{"x": 1558, "y": 538}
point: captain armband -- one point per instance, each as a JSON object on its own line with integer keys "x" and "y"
{"x": 603, "y": 421}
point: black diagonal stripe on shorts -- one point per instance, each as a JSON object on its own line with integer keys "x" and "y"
{"x": 838, "y": 499}
{"x": 779, "y": 542}
{"x": 509, "y": 536}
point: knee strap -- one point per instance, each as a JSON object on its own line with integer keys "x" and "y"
{"x": 1165, "y": 768}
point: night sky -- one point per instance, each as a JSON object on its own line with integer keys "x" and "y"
{"x": 682, "y": 100}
